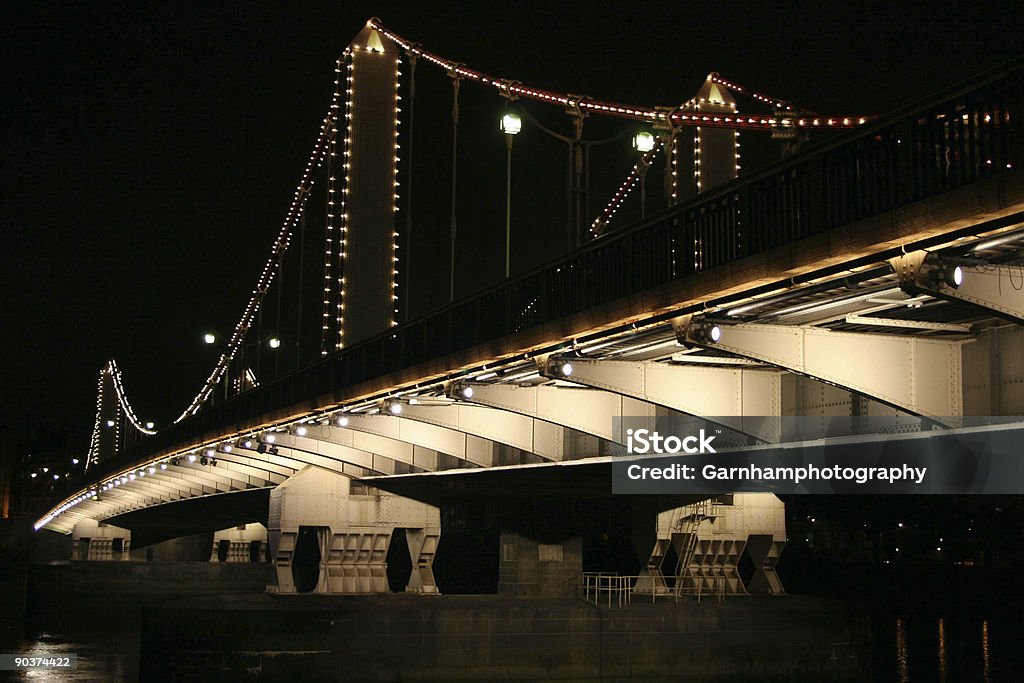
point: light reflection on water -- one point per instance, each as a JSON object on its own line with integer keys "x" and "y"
{"x": 942, "y": 650}
{"x": 110, "y": 657}
{"x": 946, "y": 649}
{"x": 984, "y": 651}
{"x": 902, "y": 659}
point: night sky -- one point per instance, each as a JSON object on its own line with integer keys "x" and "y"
{"x": 150, "y": 152}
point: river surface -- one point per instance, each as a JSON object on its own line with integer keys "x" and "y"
{"x": 904, "y": 649}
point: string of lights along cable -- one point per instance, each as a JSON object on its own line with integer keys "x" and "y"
{"x": 334, "y": 147}
{"x": 335, "y": 217}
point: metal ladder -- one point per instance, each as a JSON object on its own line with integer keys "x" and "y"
{"x": 689, "y": 524}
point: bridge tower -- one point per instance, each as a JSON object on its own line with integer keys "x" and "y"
{"x": 367, "y": 138}
{"x": 716, "y": 151}
{"x": 107, "y": 429}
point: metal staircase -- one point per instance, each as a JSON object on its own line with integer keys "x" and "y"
{"x": 689, "y": 521}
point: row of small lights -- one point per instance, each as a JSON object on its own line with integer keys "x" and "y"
{"x": 628, "y": 111}
{"x": 208, "y": 454}
{"x": 349, "y": 58}
{"x": 122, "y": 399}
{"x": 281, "y": 243}
{"x": 767, "y": 99}
{"x": 700, "y": 330}
{"x": 395, "y": 196}
{"x": 328, "y": 131}
{"x": 94, "y": 440}
{"x": 645, "y": 143}
{"x": 111, "y": 370}
{"x": 764, "y": 122}
{"x": 343, "y": 225}
{"x": 334, "y": 213}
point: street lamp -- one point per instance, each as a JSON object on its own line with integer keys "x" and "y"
{"x": 274, "y": 343}
{"x": 643, "y": 142}
{"x": 510, "y": 125}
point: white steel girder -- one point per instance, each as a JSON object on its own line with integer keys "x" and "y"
{"x": 746, "y": 395}
{"x": 428, "y": 438}
{"x": 297, "y": 459}
{"x": 922, "y": 376}
{"x": 258, "y": 472}
{"x": 591, "y": 411}
{"x": 541, "y": 438}
{"x": 269, "y": 470}
{"x": 332, "y": 457}
{"x": 382, "y": 442}
{"x": 217, "y": 477}
{"x": 175, "y": 485}
{"x": 123, "y": 499}
{"x": 998, "y": 288}
{"x": 282, "y": 464}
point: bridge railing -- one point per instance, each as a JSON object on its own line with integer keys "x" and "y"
{"x": 965, "y": 134}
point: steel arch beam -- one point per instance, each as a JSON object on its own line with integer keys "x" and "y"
{"x": 922, "y": 376}
{"x": 591, "y": 411}
{"x": 544, "y": 439}
{"x": 427, "y": 439}
{"x": 997, "y": 288}
{"x": 380, "y": 445}
{"x": 746, "y": 395}
{"x": 271, "y": 474}
{"x": 318, "y": 447}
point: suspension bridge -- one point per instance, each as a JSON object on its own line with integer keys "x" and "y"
{"x": 874, "y": 273}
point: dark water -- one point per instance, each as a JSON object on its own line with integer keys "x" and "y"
{"x": 904, "y": 649}
{"x": 108, "y": 656}
{"x": 947, "y": 648}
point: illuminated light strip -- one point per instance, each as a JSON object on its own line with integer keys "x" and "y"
{"x": 346, "y": 166}
{"x": 295, "y": 212}
{"x": 394, "y": 206}
{"x": 126, "y": 475}
{"x": 92, "y": 456}
{"x": 332, "y": 202}
{"x": 767, "y": 99}
{"x": 609, "y": 108}
{"x": 697, "y": 160}
{"x": 122, "y": 399}
{"x": 505, "y": 86}
{"x": 624, "y": 191}
{"x": 767, "y": 122}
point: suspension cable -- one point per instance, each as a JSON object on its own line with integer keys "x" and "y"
{"x": 654, "y": 115}
{"x": 270, "y": 268}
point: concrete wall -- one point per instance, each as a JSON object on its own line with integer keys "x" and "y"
{"x": 193, "y": 548}
{"x": 527, "y": 567}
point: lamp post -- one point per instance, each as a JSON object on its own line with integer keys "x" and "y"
{"x": 510, "y": 125}
{"x": 274, "y": 343}
{"x": 579, "y": 155}
{"x": 643, "y": 142}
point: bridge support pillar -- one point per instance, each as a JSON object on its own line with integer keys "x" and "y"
{"x": 710, "y": 537}
{"x": 647, "y": 543}
{"x": 422, "y": 549}
{"x": 93, "y": 540}
{"x": 328, "y": 535}
{"x": 529, "y": 567}
{"x": 244, "y": 543}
